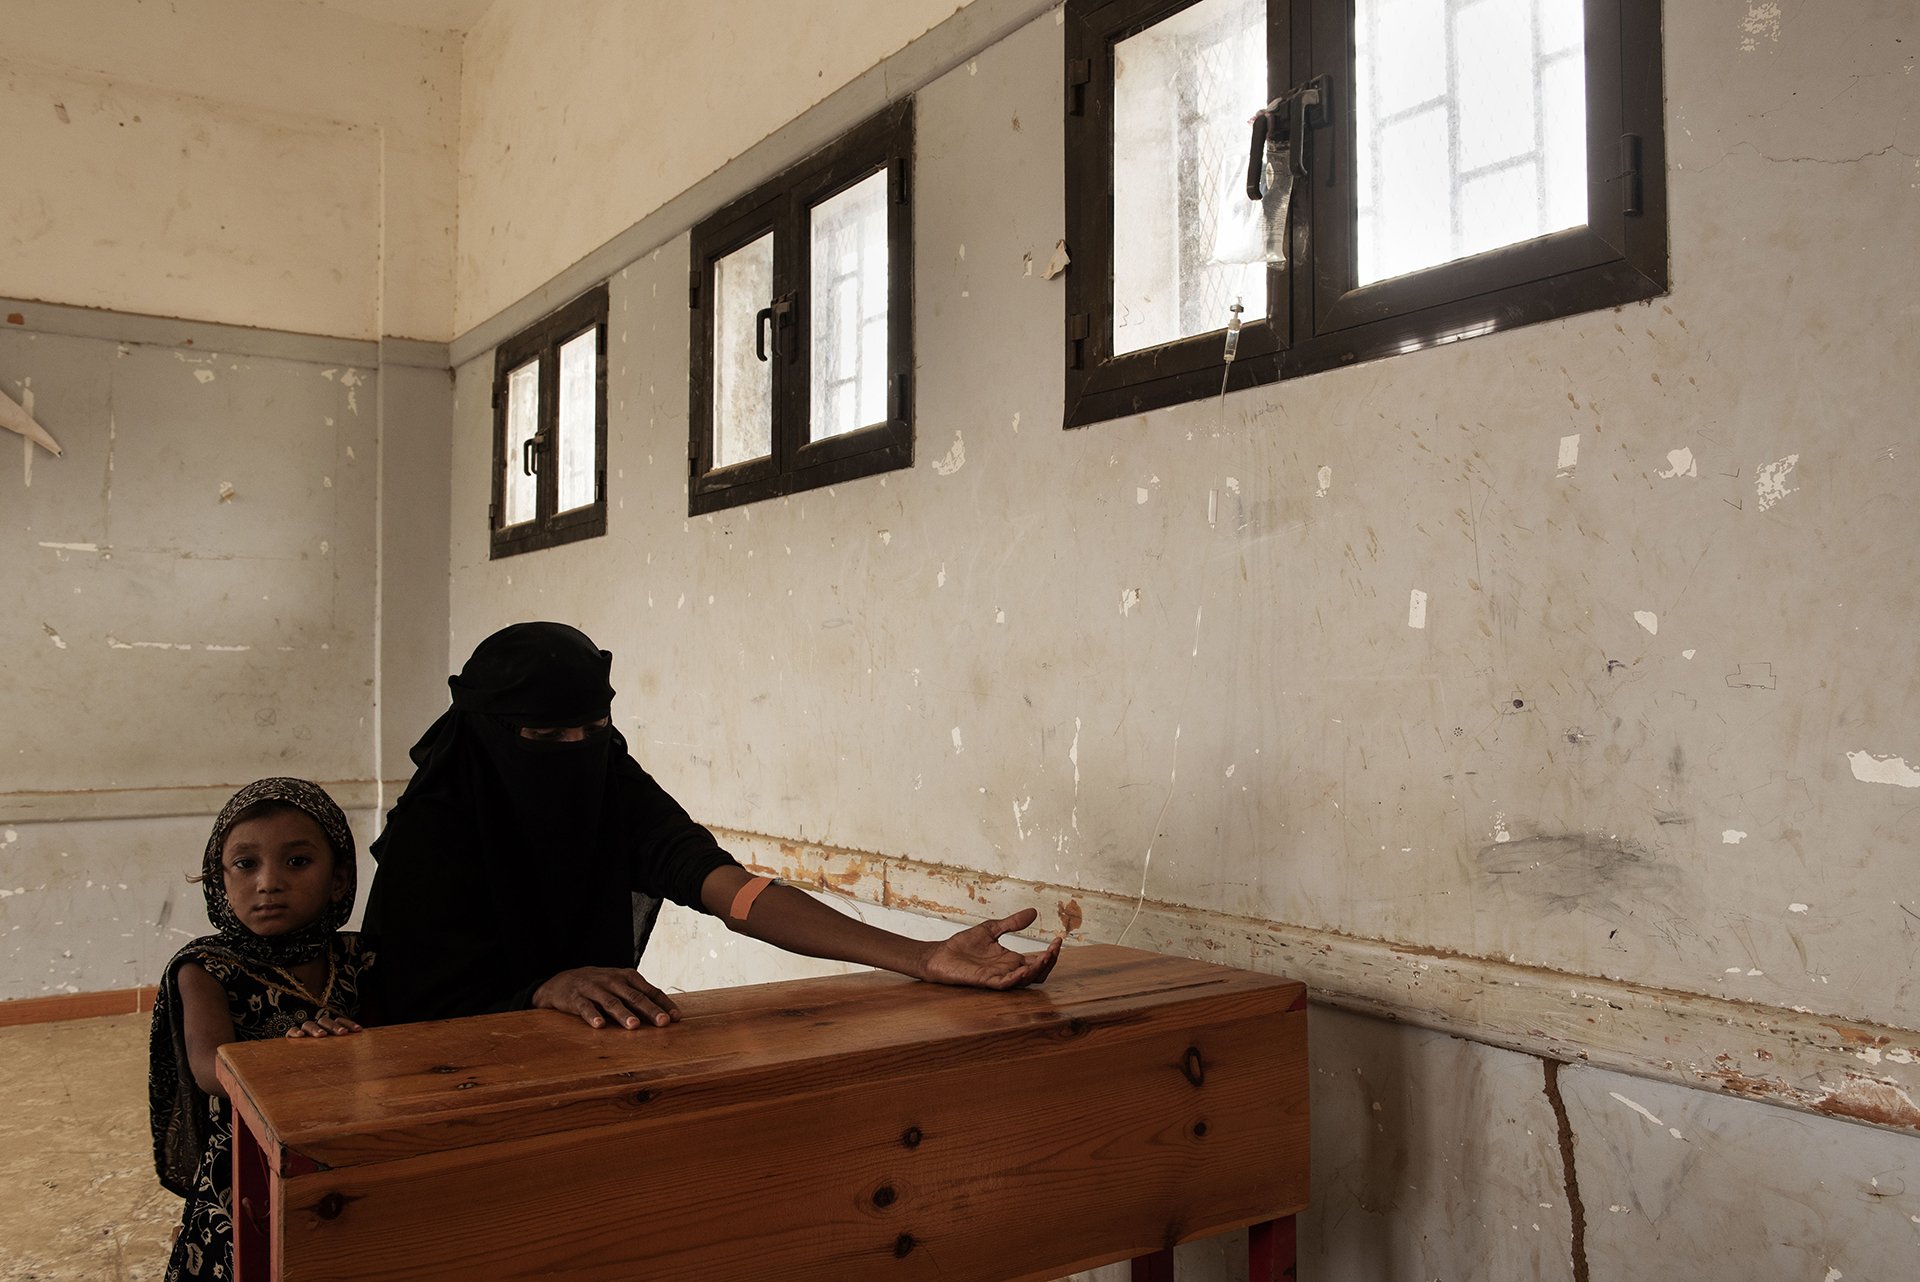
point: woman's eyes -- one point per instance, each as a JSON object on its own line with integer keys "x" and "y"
{"x": 243, "y": 864}
{"x": 299, "y": 861}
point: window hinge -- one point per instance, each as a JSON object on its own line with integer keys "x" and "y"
{"x": 693, "y": 290}
{"x": 493, "y": 516}
{"x": 897, "y": 179}
{"x": 1078, "y": 328}
{"x": 1079, "y": 76}
{"x": 1632, "y": 190}
{"x": 600, "y": 486}
{"x": 499, "y": 394}
{"x": 897, "y": 391}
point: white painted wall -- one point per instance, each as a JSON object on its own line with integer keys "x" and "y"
{"x": 580, "y": 118}
{"x": 216, "y": 580}
{"x": 190, "y": 605}
{"x": 278, "y": 165}
{"x": 1177, "y": 637}
{"x": 1171, "y": 660}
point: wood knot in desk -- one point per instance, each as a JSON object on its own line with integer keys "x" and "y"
{"x": 330, "y": 1206}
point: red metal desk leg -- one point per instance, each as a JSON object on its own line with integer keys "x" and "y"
{"x": 1272, "y": 1250}
{"x": 1157, "y": 1267}
{"x": 252, "y": 1192}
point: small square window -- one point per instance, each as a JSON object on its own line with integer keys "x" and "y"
{"x": 1433, "y": 171}
{"x": 550, "y": 430}
{"x": 802, "y": 325}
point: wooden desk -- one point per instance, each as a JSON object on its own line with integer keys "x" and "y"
{"x": 833, "y": 1130}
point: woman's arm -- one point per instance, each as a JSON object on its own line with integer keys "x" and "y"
{"x": 205, "y": 1022}
{"x": 791, "y": 919}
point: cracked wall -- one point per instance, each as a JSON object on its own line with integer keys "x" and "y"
{"x": 1571, "y": 659}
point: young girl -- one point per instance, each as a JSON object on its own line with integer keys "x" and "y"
{"x": 279, "y": 880}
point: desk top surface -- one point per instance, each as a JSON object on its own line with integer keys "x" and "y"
{"x": 414, "y": 1088}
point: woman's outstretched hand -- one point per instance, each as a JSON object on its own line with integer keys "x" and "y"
{"x": 976, "y": 958}
{"x": 603, "y": 995}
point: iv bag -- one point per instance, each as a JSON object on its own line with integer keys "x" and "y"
{"x": 1277, "y": 201}
{"x": 1250, "y": 231}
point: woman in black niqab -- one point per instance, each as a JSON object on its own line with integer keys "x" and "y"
{"x": 529, "y": 841}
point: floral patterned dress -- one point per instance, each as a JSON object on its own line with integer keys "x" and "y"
{"x": 264, "y": 1001}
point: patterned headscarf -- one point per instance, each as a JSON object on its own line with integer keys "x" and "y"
{"x": 309, "y": 941}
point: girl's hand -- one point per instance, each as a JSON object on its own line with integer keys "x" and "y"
{"x": 324, "y": 1026}
{"x": 976, "y": 958}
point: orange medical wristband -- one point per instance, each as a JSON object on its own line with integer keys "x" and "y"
{"x": 743, "y": 901}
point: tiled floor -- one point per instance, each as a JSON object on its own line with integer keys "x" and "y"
{"x": 78, "y": 1198}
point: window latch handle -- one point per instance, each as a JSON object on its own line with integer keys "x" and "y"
{"x": 760, "y": 319}
{"x": 778, "y": 315}
{"x": 1280, "y": 134}
{"x": 530, "y": 454}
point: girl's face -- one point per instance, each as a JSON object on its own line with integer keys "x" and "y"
{"x": 279, "y": 872}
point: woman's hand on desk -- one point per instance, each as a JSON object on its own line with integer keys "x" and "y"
{"x": 602, "y": 995}
{"x": 976, "y": 958}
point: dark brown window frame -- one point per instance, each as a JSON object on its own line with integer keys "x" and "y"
{"x": 1318, "y": 319}
{"x": 781, "y": 206}
{"x": 542, "y": 341}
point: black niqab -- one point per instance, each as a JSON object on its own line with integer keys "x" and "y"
{"x": 507, "y": 859}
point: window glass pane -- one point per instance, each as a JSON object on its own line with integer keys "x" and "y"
{"x": 1187, "y": 243}
{"x": 1470, "y": 133}
{"x": 523, "y": 420}
{"x": 742, "y": 382}
{"x": 848, "y": 249}
{"x": 579, "y": 364}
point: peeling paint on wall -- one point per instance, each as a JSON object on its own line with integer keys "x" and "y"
{"x": 1648, "y": 1114}
{"x": 1868, "y": 768}
{"x": 1569, "y": 454}
{"x": 1871, "y": 1100}
{"x": 1761, "y": 23}
{"x": 954, "y": 459}
{"x": 1770, "y": 482}
{"x": 1680, "y": 463}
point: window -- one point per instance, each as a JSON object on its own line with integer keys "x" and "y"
{"x": 1425, "y": 171}
{"x": 550, "y": 430}
{"x": 802, "y": 325}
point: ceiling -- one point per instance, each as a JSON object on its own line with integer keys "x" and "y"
{"x": 429, "y": 15}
